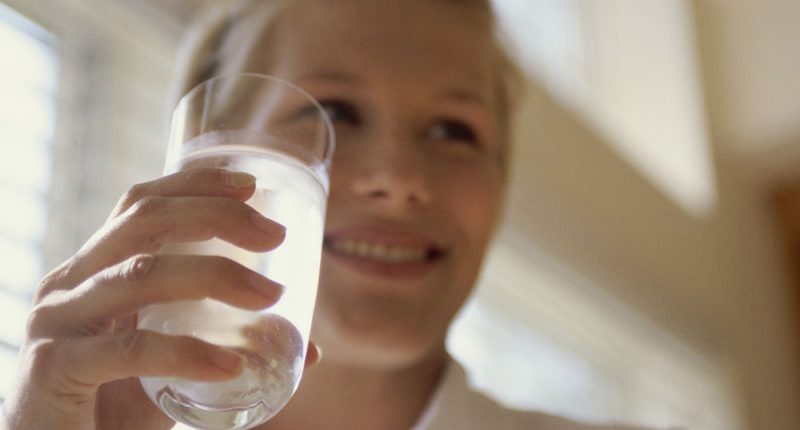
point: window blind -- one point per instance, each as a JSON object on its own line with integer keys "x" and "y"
{"x": 28, "y": 84}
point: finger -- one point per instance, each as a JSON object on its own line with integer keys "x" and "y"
{"x": 124, "y": 405}
{"x": 143, "y": 280}
{"x": 86, "y": 362}
{"x": 313, "y": 355}
{"x": 157, "y": 221}
{"x": 203, "y": 181}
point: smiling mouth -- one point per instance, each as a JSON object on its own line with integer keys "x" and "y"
{"x": 382, "y": 252}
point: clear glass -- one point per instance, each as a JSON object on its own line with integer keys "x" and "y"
{"x": 278, "y": 133}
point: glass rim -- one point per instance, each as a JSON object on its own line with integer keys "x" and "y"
{"x": 330, "y": 139}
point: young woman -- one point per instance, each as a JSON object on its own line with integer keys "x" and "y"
{"x": 419, "y": 92}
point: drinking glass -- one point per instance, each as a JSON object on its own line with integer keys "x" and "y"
{"x": 278, "y": 133}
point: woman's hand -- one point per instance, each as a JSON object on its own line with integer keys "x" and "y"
{"x": 78, "y": 366}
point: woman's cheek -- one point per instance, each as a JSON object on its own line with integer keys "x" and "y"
{"x": 474, "y": 191}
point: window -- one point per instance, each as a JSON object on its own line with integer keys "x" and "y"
{"x": 28, "y": 82}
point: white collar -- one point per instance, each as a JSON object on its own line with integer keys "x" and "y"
{"x": 450, "y": 375}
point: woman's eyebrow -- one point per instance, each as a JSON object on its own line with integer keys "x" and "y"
{"x": 332, "y": 76}
{"x": 462, "y": 95}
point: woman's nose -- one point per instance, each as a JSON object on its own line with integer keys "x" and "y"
{"x": 394, "y": 176}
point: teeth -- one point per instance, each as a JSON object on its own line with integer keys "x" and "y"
{"x": 363, "y": 249}
{"x": 379, "y": 251}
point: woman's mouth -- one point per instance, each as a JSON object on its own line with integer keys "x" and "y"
{"x": 385, "y": 255}
{"x": 381, "y": 252}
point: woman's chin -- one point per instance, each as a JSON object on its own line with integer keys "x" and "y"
{"x": 377, "y": 347}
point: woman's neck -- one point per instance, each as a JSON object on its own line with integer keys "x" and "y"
{"x": 334, "y": 396}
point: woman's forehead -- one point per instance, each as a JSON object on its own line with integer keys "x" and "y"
{"x": 432, "y": 40}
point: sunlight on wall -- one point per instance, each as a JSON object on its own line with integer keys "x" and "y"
{"x": 539, "y": 337}
{"x": 28, "y": 70}
{"x": 547, "y": 38}
{"x": 630, "y": 69}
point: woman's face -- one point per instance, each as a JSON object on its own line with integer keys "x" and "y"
{"x": 416, "y": 183}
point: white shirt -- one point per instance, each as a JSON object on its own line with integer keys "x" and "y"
{"x": 455, "y": 405}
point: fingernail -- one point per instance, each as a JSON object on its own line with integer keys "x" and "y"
{"x": 226, "y": 360}
{"x": 319, "y": 353}
{"x": 265, "y": 287}
{"x": 317, "y": 357}
{"x": 268, "y": 226}
{"x": 238, "y": 179}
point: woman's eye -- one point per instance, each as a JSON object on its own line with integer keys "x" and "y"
{"x": 341, "y": 112}
{"x": 453, "y": 130}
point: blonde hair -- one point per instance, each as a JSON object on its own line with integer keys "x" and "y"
{"x": 222, "y": 38}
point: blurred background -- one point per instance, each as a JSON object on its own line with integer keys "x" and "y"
{"x": 649, "y": 268}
